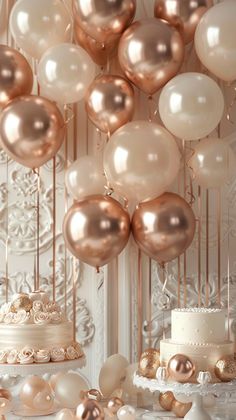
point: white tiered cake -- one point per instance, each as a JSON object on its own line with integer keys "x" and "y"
{"x": 200, "y": 334}
{"x": 33, "y": 329}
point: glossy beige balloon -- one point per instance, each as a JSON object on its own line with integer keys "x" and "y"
{"x": 96, "y": 229}
{"x": 141, "y": 160}
{"x": 16, "y": 77}
{"x": 68, "y": 388}
{"x": 65, "y": 414}
{"x": 32, "y": 386}
{"x": 112, "y": 374}
{"x": 164, "y": 228}
{"x": 215, "y": 40}
{"x": 31, "y": 130}
{"x": 85, "y": 177}
{"x": 150, "y": 54}
{"x": 64, "y": 73}
{"x": 43, "y": 400}
{"x": 89, "y": 410}
{"x": 39, "y": 24}
{"x": 212, "y": 163}
{"x": 104, "y": 20}
{"x": 5, "y": 407}
{"x": 191, "y": 105}
{"x": 184, "y": 15}
{"x": 109, "y": 102}
{"x": 100, "y": 52}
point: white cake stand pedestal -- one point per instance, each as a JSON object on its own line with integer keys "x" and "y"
{"x": 195, "y": 392}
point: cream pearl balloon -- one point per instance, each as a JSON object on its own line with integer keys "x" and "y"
{"x": 85, "y": 177}
{"x": 53, "y": 379}
{"x": 191, "y": 105}
{"x": 212, "y": 163}
{"x": 5, "y": 406}
{"x": 39, "y": 24}
{"x": 65, "y": 414}
{"x": 31, "y": 387}
{"x": 43, "y": 400}
{"x": 112, "y": 374}
{"x": 215, "y": 40}
{"x": 68, "y": 388}
{"x": 141, "y": 160}
{"x": 127, "y": 412}
{"x": 64, "y": 73}
{"x": 127, "y": 385}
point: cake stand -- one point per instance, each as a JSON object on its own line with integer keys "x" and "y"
{"x": 195, "y": 392}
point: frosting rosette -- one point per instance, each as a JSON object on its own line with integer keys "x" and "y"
{"x": 26, "y": 356}
{"x": 78, "y": 349}
{"x": 41, "y": 318}
{"x": 3, "y": 356}
{"x": 52, "y": 307}
{"x": 5, "y": 308}
{"x": 42, "y": 356}
{"x": 12, "y": 356}
{"x": 38, "y": 306}
{"x": 57, "y": 354}
{"x": 9, "y": 318}
{"x": 56, "y": 317}
{"x": 71, "y": 353}
{"x": 21, "y": 317}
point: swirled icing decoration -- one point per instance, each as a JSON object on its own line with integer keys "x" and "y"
{"x": 26, "y": 356}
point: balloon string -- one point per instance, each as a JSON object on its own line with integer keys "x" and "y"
{"x": 66, "y": 207}
{"x": 207, "y": 248}
{"x": 230, "y": 107}
{"x": 140, "y": 304}
{"x": 199, "y": 246}
{"x": 218, "y": 244}
{"x": 54, "y": 231}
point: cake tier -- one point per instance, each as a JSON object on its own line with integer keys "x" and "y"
{"x": 198, "y": 326}
{"x": 203, "y": 356}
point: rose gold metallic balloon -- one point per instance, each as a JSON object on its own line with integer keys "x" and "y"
{"x": 96, "y": 229}
{"x": 98, "y": 51}
{"x": 164, "y": 227}
{"x": 89, "y": 410}
{"x": 182, "y": 14}
{"x": 5, "y": 393}
{"x": 110, "y": 102}
{"x": 104, "y": 20}
{"x": 31, "y": 130}
{"x": 151, "y": 53}
{"x": 16, "y": 77}
{"x": 114, "y": 404}
{"x": 181, "y": 409}
{"x": 181, "y": 368}
{"x": 149, "y": 363}
{"x": 166, "y": 400}
{"x": 225, "y": 369}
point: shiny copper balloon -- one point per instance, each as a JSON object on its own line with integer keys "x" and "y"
{"x": 184, "y": 15}
{"x": 225, "y": 369}
{"x": 31, "y": 130}
{"x": 109, "y": 102}
{"x": 104, "y": 20}
{"x": 166, "y": 400}
{"x": 114, "y": 404}
{"x": 150, "y": 53}
{"x": 164, "y": 227}
{"x": 181, "y": 368}
{"x": 89, "y": 410}
{"x": 98, "y": 51}
{"x": 5, "y": 393}
{"x": 16, "y": 77}
{"x": 149, "y": 363}
{"x": 181, "y": 409}
{"x": 96, "y": 229}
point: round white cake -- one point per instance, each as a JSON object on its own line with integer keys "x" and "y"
{"x": 33, "y": 329}
{"x": 200, "y": 334}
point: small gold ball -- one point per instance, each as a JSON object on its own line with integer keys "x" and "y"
{"x": 149, "y": 363}
{"x": 181, "y": 368}
{"x": 181, "y": 409}
{"x": 114, "y": 404}
{"x": 225, "y": 369}
{"x": 22, "y": 302}
{"x": 166, "y": 400}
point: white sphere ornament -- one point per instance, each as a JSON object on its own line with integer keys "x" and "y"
{"x": 127, "y": 412}
{"x": 112, "y": 374}
{"x": 65, "y": 414}
{"x": 68, "y": 388}
{"x": 204, "y": 378}
{"x": 162, "y": 374}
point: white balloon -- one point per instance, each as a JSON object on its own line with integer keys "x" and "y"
{"x": 64, "y": 73}
{"x": 191, "y": 105}
{"x": 65, "y": 414}
{"x": 68, "y": 388}
{"x": 127, "y": 412}
{"x": 112, "y": 374}
{"x": 37, "y": 25}
{"x": 85, "y": 177}
{"x": 215, "y": 40}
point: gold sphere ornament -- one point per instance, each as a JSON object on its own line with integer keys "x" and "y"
{"x": 181, "y": 368}
{"x": 22, "y": 301}
{"x": 166, "y": 400}
{"x": 89, "y": 410}
{"x": 181, "y": 409}
{"x": 149, "y": 363}
{"x": 225, "y": 369}
{"x": 114, "y": 404}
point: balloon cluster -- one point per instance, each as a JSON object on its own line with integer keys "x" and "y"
{"x": 141, "y": 159}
